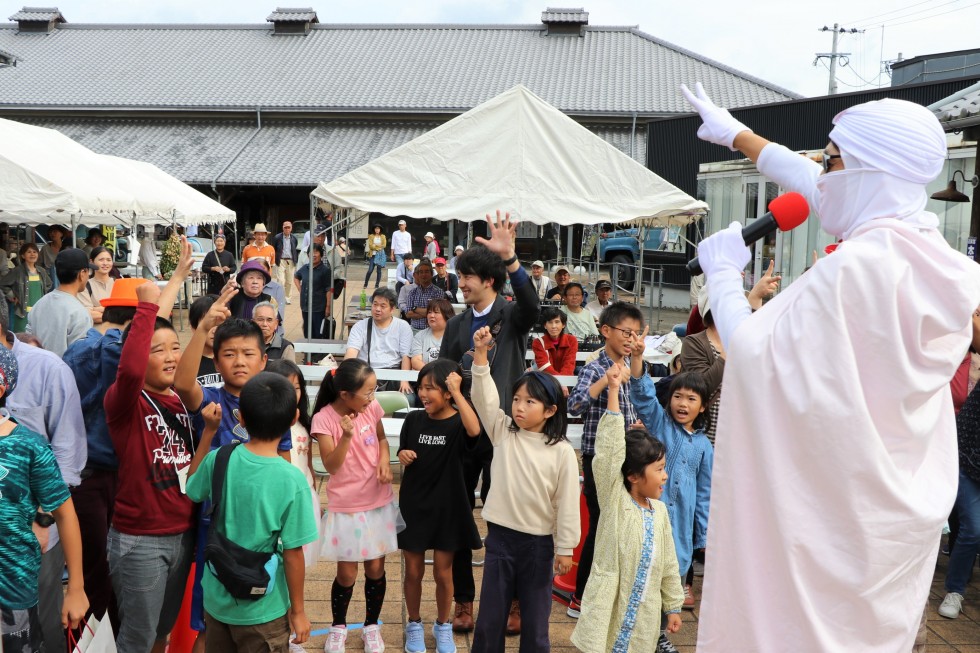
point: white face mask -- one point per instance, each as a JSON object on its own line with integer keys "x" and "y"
{"x": 855, "y": 196}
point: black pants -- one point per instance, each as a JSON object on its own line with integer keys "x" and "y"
{"x": 588, "y": 547}
{"x": 519, "y": 566}
{"x": 464, "y": 587}
{"x": 94, "y": 500}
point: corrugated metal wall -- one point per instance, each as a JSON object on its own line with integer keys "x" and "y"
{"x": 675, "y": 152}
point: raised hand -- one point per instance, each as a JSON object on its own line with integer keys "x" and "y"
{"x": 503, "y": 231}
{"x": 347, "y": 425}
{"x": 148, "y": 292}
{"x": 613, "y": 377}
{"x": 186, "y": 260}
{"x": 766, "y": 286}
{"x": 219, "y": 311}
{"x": 719, "y": 127}
{"x": 212, "y": 415}
{"x": 482, "y": 338}
{"x": 724, "y": 251}
{"x": 454, "y": 382}
{"x": 638, "y": 342}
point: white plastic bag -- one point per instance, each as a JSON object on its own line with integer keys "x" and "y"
{"x": 96, "y": 637}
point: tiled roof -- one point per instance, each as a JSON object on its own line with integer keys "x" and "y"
{"x": 360, "y": 68}
{"x": 44, "y": 14}
{"x": 962, "y": 109}
{"x": 8, "y": 58}
{"x": 292, "y": 15}
{"x": 283, "y": 153}
{"x": 559, "y": 15}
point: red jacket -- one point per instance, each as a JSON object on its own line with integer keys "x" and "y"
{"x": 555, "y": 356}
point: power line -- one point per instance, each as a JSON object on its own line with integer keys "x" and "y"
{"x": 911, "y": 13}
{"x": 893, "y": 11}
{"x": 916, "y": 20}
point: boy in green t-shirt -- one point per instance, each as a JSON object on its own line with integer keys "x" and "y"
{"x": 265, "y": 502}
{"x": 30, "y": 479}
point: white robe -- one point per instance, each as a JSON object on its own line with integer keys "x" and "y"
{"x": 836, "y": 461}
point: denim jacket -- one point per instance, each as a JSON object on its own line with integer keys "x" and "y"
{"x": 689, "y": 460}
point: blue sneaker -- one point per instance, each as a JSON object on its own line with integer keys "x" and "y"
{"x": 445, "y": 643}
{"x": 414, "y": 637}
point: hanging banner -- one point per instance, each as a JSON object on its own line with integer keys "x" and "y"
{"x": 109, "y": 235}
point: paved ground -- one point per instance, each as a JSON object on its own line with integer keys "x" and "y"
{"x": 945, "y": 636}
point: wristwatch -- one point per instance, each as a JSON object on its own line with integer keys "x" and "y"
{"x": 43, "y": 519}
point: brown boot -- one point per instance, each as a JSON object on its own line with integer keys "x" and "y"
{"x": 463, "y": 621}
{"x": 514, "y": 619}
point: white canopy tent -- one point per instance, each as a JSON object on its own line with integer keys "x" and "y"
{"x": 47, "y": 177}
{"x": 513, "y": 152}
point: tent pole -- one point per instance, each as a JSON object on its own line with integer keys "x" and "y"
{"x": 452, "y": 242}
{"x": 343, "y": 293}
{"x": 309, "y": 276}
{"x": 74, "y": 235}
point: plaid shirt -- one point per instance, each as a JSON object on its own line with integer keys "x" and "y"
{"x": 580, "y": 404}
{"x": 420, "y": 298}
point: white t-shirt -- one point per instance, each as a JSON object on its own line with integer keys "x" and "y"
{"x": 596, "y": 308}
{"x": 401, "y": 242}
{"x": 427, "y": 345}
{"x": 580, "y": 324}
{"x": 388, "y": 345}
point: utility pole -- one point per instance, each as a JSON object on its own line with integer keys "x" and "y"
{"x": 834, "y": 55}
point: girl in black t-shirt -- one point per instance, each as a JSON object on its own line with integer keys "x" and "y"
{"x": 433, "y": 497}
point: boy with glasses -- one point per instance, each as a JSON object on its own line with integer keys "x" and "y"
{"x": 619, "y": 324}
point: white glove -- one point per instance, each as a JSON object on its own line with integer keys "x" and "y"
{"x": 719, "y": 127}
{"x": 724, "y": 251}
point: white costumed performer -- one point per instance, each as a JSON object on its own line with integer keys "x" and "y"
{"x": 836, "y": 462}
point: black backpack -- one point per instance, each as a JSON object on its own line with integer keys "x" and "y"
{"x": 242, "y": 571}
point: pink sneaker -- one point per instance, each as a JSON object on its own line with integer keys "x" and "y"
{"x": 371, "y": 636}
{"x": 336, "y": 640}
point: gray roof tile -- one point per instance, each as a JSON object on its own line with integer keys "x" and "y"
{"x": 283, "y": 153}
{"x": 293, "y": 15}
{"x": 961, "y": 108}
{"x": 564, "y": 15}
{"x": 38, "y": 14}
{"x": 362, "y": 68}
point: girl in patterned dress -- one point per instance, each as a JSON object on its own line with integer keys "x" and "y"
{"x": 634, "y": 574}
{"x": 361, "y": 520}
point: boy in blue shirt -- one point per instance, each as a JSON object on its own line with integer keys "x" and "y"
{"x": 30, "y": 479}
{"x": 265, "y": 500}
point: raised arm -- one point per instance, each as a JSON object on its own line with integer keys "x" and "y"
{"x": 466, "y": 413}
{"x": 503, "y": 233}
{"x": 185, "y": 380}
{"x": 169, "y": 294}
{"x": 486, "y": 398}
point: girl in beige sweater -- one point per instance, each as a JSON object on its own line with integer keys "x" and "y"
{"x": 535, "y": 485}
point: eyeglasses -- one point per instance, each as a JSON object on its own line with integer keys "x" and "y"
{"x": 370, "y": 395}
{"x": 827, "y": 158}
{"x": 629, "y": 333}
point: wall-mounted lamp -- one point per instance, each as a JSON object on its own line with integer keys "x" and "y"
{"x": 951, "y": 194}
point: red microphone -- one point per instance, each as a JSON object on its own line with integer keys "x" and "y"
{"x": 786, "y": 212}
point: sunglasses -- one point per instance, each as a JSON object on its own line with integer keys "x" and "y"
{"x": 827, "y": 158}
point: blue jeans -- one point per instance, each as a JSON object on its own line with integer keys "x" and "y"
{"x": 149, "y": 573}
{"x": 372, "y": 266}
{"x": 964, "y": 553}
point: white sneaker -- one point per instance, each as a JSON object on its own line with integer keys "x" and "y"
{"x": 951, "y": 605}
{"x": 371, "y": 636}
{"x": 289, "y": 301}
{"x": 296, "y": 648}
{"x": 336, "y": 640}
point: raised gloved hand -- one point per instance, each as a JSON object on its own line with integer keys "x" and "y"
{"x": 719, "y": 127}
{"x": 724, "y": 251}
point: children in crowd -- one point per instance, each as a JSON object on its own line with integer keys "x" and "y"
{"x": 689, "y": 454}
{"x": 239, "y": 354}
{"x": 151, "y": 540}
{"x": 620, "y": 324}
{"x": 302, "y": 452}
{"x": 360, "y": 524}
{"x": 636, "y": 568}
{"x": 29, "y": 480}
{"x": 581, "y": 324}
{"x": 264, "y": 507}
{"x": 554, "y": 352}
{"x": 433, "y": 498}
{"x": 535, "y": 484}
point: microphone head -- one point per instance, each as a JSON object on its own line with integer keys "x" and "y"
{"x": 789, "y": 211}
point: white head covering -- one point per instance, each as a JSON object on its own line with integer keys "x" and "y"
{"x": 891, "y": 150}
{"x": 703, "y": 304}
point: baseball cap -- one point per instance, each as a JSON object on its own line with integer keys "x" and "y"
{"x": 73, "y": 260}
{"x": 459, "y": 248}
{"x": 537, "y": 264}
{"x": 402, "y": 222}
{"x": 602, "y": 284}
{"x": 429, "y": 234}
{"x": 440, "y": 261}
{"x": 560, "y": 268}
{"x": 320, "y": 229}
{"x": 124, "y": 292}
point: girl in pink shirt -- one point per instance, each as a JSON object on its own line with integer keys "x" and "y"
{"x": 361, "y": 521}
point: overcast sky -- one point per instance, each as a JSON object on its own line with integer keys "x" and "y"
{"x": 775, "y": 40}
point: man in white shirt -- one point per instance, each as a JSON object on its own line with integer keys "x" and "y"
{"x": 401, "y": 242}
{"x": 404, "y": 273}
{"x": 148, "y": 259}
{"x": 542, "y": 284}
{"x": 381, "y": 340}
{"x": 603, "y": 293}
